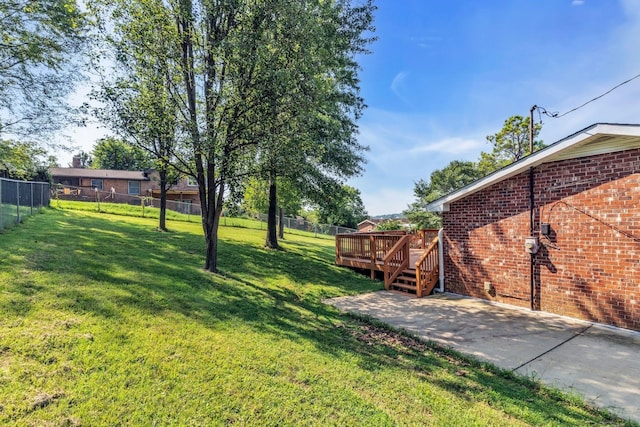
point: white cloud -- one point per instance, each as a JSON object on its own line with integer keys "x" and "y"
{"x": 403, "y": 149}
{"x": 392, "y": 135}
{"x": 577, "y": 2}
{"x": 427, "y": 41}
{"x": 398, "y": 85}
{"x": 387, "y": 200}
{"x": 450, "y": 146}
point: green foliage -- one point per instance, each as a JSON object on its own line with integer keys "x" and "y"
{"x": 21, "y": 160}
{"x": 390, "y": 224}
{"x": 251, "y": 83}
{"x": 443, "y": 181}
{"x": 256, "y": 197}
{"x": 38, "y": 41}
{"x": 308, "y": 123}
{"x": 113, "y": 153}
{"x": 455, "y": 175}
{"x": 344, "y": 209}
{"x": 422, "y": 218}
{"x": 510, "y": 144}
{"x": 85, "y": 159}
{"x": 105, "y": 321}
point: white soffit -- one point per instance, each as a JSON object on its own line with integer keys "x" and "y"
{"x": 602, "y": 145}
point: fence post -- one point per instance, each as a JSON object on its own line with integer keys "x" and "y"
{"x": 17, "y": 202}
{"x": 1, "y": 203}
{"x": 372, "y": 249}
{"x": 31, "y": 201}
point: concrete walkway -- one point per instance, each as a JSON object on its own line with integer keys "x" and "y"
{"x": 600, "y": 363}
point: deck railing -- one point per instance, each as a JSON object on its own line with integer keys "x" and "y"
{"x": 422, "y": 238}
{"x": 396, "y": 260}
{"x": 390, "y": 252}
{"x": 427, "y": 269}
{"x": 369, "y": 248}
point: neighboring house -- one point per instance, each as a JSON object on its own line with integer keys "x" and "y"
{"x": 579, "y": 202}
{"x": 85, "y": 182}
{"x": 119, "y": 186}
{"x": 368, "y": 225}
{"x": 185, "y": 190}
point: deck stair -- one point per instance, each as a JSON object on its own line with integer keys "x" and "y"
{"x": 407, "y": 266}
{"x": 405, "y": 282}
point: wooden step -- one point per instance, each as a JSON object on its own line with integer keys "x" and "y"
{"x": 407, "y": 279}
{"x": 405, "y": 286}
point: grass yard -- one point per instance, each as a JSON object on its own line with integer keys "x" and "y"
{"x": 151, "y": 212}
{"x": 105, "y": 321}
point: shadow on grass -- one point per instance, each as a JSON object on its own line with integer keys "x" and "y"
{"x": 114, "y": 266}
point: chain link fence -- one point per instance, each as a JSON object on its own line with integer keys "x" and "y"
{"x": 19, "y": 199}
{"x": 188, "y": 207}
{"x": 304, "y": 225}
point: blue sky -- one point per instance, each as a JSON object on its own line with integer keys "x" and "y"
{"x": 444, "y": 74}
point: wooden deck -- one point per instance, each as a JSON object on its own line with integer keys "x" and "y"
{"x": 409, "y": 262}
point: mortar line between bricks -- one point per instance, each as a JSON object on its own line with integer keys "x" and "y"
{"x": 553, "y": 348}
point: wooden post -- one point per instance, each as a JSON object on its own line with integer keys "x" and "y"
{"x": 372, "y": 249}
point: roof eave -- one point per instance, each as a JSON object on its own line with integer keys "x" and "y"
{"x": 535, "y": 159}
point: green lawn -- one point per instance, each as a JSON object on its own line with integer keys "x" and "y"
{"x": 105, "y": 321}
{"x": 151, "y": 212}
{"x": 9, "y": 214}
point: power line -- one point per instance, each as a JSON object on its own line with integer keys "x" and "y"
{"x": 557, "y": 116}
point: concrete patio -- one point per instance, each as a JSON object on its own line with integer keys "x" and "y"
{"x": 597, "y": 362}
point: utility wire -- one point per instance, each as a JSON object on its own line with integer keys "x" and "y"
{"x": 557, "y": 116}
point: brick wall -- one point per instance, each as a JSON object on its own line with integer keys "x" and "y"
{"x": 588, "y": 267}
{"x": 121, "y": 186}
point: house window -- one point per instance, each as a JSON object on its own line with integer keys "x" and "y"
{"x": 96, "y": 183}
{"x": 191, "y": 182}
{"x": 134, "y": 187}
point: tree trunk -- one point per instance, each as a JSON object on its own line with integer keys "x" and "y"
{"x": 281, "y": 223}
{"x": 211, "y": 213}
{"x": 272, "y": 237}
{"x": 211, "y": 241}
{"x": 162, "y": 223}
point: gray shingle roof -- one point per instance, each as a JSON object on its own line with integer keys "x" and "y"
{"x": 98, "y": 173}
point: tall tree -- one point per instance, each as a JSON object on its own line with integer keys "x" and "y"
{"x": 139, "y": 93}
{"x": 344, "y": 209}
{"x": 22, "y": 160}
{"x": 113, "y": 153}
{"x": 455, "y": 175}
{"x": 223, "y": 51}
{"x": 510, "y": 144}
{"x": 38, "y": 42}
{"x": 314, "y": 101}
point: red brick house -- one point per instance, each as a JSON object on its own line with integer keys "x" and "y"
{"x": 576, "y": 206}
{"x": 118, "y": 186}
{"x": 368, "y": 225}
